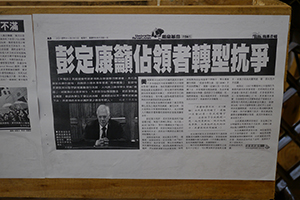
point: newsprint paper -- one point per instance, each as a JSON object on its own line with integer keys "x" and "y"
{"x": 20, "y": 138}
{"x": 160, "y": 96}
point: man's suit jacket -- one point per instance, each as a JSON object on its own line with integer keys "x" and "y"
{"x": 114, "y": 131}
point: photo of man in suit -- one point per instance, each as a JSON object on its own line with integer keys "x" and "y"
{"x": 104, "y": 130}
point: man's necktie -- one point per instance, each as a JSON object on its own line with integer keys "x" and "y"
{"x": 103, "y": 132}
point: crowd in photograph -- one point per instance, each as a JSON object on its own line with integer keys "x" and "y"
{"x": 15, "y": 115}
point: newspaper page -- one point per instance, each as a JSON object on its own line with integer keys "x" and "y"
{"x": 20, "y": 136}
{"x": 160, "y": 96}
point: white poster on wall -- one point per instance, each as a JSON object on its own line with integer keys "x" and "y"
{"x": 20, "y": 136}
{"x": 160, "y": 96}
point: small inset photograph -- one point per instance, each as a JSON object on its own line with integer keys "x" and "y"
{"x": 14, "y": 113}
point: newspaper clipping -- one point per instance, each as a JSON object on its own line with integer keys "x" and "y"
{"x": 156, "y": 96}
{"x": 20, "y": 139}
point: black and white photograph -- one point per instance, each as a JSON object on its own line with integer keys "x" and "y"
{"x": 14, "y": 114}
{"x": 98, "y": 126}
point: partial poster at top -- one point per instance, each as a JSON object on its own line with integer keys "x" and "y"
{"x": 160, "y": 96}
{"x": 20, "y": 137}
